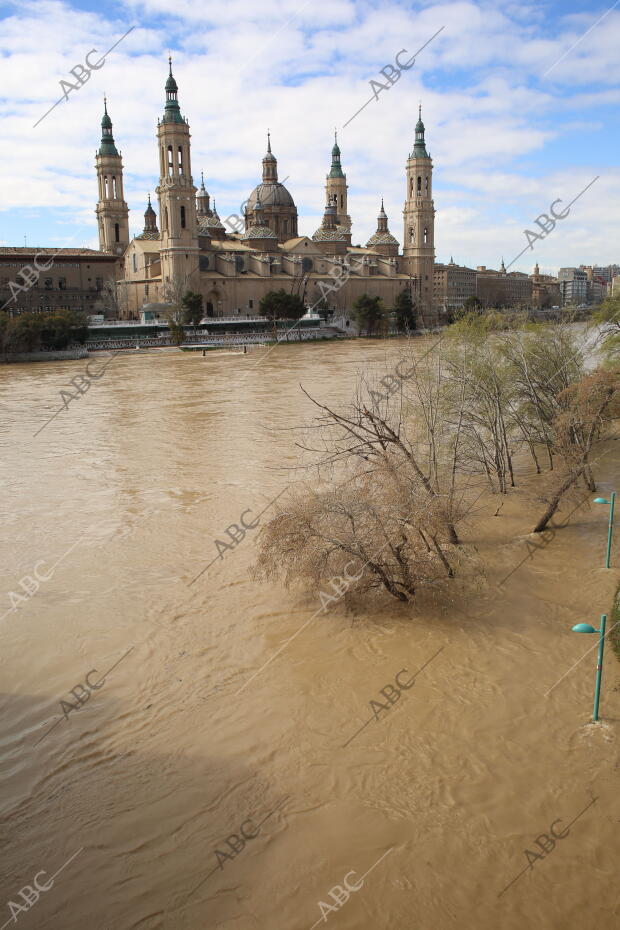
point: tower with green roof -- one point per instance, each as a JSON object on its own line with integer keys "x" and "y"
{"x": 336, "y": 190}
{"x": 176, "y": 193}
{"x": 419, "y": 221}
{"x": 112, "y": 211}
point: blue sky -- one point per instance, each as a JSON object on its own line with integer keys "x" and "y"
{"x": 520, "y": 102}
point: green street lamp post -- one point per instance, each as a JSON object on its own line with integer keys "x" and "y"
{"x": 603, "y": 500}
{"x": 586, "y": 628}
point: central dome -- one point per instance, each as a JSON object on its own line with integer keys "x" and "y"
{"x": 277, "y": 210}
{"x": 270, "y": 194}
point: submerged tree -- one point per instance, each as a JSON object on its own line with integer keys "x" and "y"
{"x": 369, "y": 314}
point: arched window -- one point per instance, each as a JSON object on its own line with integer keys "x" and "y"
{"x": 106, "y": 191}
{"x": 342, "y": 200}
{"x": 117, "y": 237}
{"x": 411, "y": 234}
{"x": 180, "y": 159}
{"x": 411, "y": 188}
{"x": 426, "y": 185}
{"x": 166, "y": 218}
{"x": 419, "y": 184}
{"x": 114, "y": 186}
{"x": 425, "y": 235}
{"x": 170, "y": 163}
{"x": 182, "y": 217}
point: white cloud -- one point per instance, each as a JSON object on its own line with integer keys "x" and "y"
{"x": 301, "y": 70}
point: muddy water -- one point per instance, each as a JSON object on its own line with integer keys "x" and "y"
{"x": 201, "y": 730}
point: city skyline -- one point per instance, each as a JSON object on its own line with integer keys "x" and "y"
{"x": 504, "y": 146}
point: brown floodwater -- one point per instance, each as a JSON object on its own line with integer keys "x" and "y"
{"x": 219, "y": 776}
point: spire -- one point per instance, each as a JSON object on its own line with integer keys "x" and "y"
{"x": 107, "y": 139}
{"x": 150, "y": 218}
{"x": 502, "y": 269}
{"x": 270, "y": 164}
{"x": 419, "y": 148}
{"x": 382, "y": 220}
{"x": 172, "y": 112}
{"x": 202, "y": 199}
{"x": 383, "y": 240}
{"x": 336, "y": 168}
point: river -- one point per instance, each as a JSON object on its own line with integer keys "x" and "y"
{"x": 206, "y": 773}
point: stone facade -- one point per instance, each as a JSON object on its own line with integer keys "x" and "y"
{"x": 76, "y": 279}
{"x": 511, "y": 289}
{"x": 452, "y": 285}
{"x": 191, "y": 249}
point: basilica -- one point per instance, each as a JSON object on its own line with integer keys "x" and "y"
{"x": 233, "y": 264}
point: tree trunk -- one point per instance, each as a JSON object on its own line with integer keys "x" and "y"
{"x": 554, "y": 503}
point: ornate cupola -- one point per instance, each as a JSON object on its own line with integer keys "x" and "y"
{"x": 270, "y": 164}
{"x": 202, "y": 200}
{"x": 150, "y": 223}
{"x": 336, "y": 168}
{"x": 172, "y": 110}
{"x": 258, "y": 235}
{"x": 331, "y": 237}
{"x": 107, "y": 146}
{"x": 383, "y": 241}
{"x": 419, "y": 146}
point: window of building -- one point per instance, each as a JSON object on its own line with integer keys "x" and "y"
{"x": 419, "y": 184}
{"x": 180, "y": 153}
{"x": 426, "y": 185}
{"x": 425, "y": 235}
{"x": 98, "y": 283}
{"x": 203, "y": 262}
{"x": 134, "y": 261}
{"x": 106, "y": 192}
{"x": 182, "y": 217}
{"x": 62, "y": 284}
{"x": 114, "y": 186}
{"x": 48, "y": 284}
{"x": 170, "y": 163}
{"x": 116, "y": 232}
{"x": 306, "y": 264}
{"x": 411, "y": 234}
{"x": 146, "y": 290}
{"x": 250, "y": 304}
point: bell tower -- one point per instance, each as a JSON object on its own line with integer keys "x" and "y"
{"x": 419, "y": 215}
{"x": 112, "y": 211}
{"x": 176, "y": 193}
{"x": 336, "y": 188}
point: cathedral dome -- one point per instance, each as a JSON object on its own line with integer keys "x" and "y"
{"x": 270, "y": 194}
{"x": 382, "y": 238}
